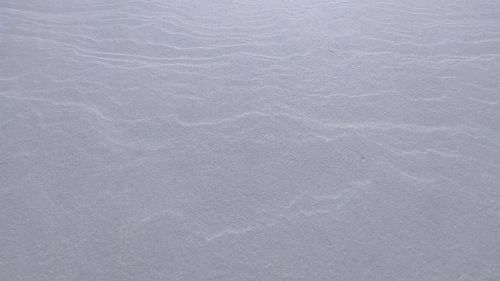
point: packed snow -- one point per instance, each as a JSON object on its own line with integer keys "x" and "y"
{"x": 249, "y": 140}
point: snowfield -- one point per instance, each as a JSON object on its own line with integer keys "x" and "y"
{"x": 249, "y": 140}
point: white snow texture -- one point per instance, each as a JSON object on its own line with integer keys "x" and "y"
{"x": 249, "y": 140}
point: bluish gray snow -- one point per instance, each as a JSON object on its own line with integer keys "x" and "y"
{"x": 269, "y": 140}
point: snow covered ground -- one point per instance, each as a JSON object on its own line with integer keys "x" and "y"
{"x": 148, "y": 140}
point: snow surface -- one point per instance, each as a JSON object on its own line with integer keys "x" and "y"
{"x": 249, "y": 140}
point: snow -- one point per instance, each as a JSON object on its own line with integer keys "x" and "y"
{"x": 249, "y": 140}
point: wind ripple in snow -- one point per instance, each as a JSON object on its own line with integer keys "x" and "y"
{"x": 249, "y": 140}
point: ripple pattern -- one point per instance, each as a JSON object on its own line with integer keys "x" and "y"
{"x": 249, "y": 140}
